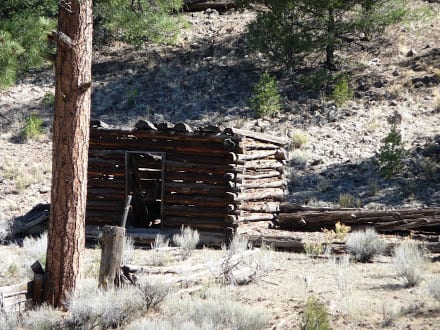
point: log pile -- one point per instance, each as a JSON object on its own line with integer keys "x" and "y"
{"x": 297, "y": 217}
{"x": 210, "y": 179}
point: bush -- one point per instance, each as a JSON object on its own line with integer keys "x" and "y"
{"x": 158, "y": 250}
{"x": 315, "y": 315}
{"x": 434, "y": 288}
{"x": 140, "y": 22}
{"x": 390, "y": 154}
{"x": 36, "y": 248}
{"x": 153, "y": 294}
{"x": 8, "y": 321}
{"x": 410, "y": 262}
{"x": 347, "y": 200}
{"x": 42, "y": 318}
{"x": 342, "y": 92}
{"x": 187, "y": 240}
{"x": 299, "y": 138}
{"x": 95, "y": 308}
{"x": 266, "y": 99}
{"x": 128, "y": 250}
{"x": 365, "y": 245}
{"x": 33, "y": 127}
{"x": 216, "y": 309}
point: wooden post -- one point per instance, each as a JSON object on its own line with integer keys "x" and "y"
{"x": 111, "y": 257}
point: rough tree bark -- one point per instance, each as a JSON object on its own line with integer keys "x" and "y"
{"x": 70, "y": 150}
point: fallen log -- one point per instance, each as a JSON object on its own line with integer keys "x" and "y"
{"x": 310, "y": 219}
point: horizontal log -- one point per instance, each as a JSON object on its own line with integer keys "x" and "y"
{"x": 107, "y": 195}
{"x": 383, "y": 221}
{"x": 265, "y": 207}
{"x": 198, "y": 168}
{"x": 270, "y": 193}
{"x": 260, "y": 184}
{"x": 261, "y": 175}
{"x": 196, "y": 188}
{"x": 199, "y": 223}
{"x": 96, "y": 205}
{"x": 195, "y": 177}
{"x": 293, "y": 244}
{"x": 257, "y": 155}
{"x": 250, "y": 145}
{"x": 106, "y": 182}
{"x": 253, "y": 217}
{"x": 191, "y": 211}
{"x": 197, "y": 200}
{"x": 257, "y": 136}
{"x": 272, "y": 164}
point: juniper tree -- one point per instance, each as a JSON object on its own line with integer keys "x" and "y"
{"x": 291, "y": 30}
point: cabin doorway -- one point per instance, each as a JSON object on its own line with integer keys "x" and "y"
{"x": 144, "y": 181}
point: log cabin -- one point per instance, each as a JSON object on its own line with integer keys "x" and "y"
{"x": 210, "y": 179}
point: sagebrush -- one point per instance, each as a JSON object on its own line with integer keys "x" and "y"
{"x": 365, "y": 244}
{"x": 410, "y": 262}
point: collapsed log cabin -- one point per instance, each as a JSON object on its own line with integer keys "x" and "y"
{"x": 208, "y": 179}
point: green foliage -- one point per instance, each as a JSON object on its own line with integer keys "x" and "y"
{"x": 33, "y": 127}
{"x": 10, "y": 50}
{"x": 342, "y": 92}
{"x": 390, "y": 154}
{"x": 141, "y": 22}
{"x": 316, "y": 80}
{"x": 312, "y": 249}
{"x": 348, "y": 200}
{"x": 315, "y": 315}
{"x": 291, "y": 30}
{"x": 49, "y": 99}
{"x": 23, "y": 36}
{"x": 266, "y": 99}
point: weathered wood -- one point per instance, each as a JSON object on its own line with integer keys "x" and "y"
{"x": 253, "y": 217}
{"x": 38, "y": 215}
{"x": 257, "y": 155}
{"x": 159, "y": 135}
{"x": 198, "y": 168}
{"x": 189, "y": 211}
{"x": 265, "y": 207}
{"x": 269, "y": 193}
{"x": 263, "y": 164}
{"x": 105, "y": 194}
{"x": 195, "y": 177}
{"x": 111, "y": 257}
{"x": 14, "y": 298}
{"x": 257, "y": 136}
{"x": 201, "y": 6}
{"x": 184, "y": 188}
{"x": 263, "y": 184}
{"x": 383, "y": 221}
{"x": 126, "y": 209}
{"x": 183, "y": 128}
{"x": 198, "y": 200}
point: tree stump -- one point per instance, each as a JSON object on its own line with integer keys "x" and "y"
{"x": 111, "y": 257}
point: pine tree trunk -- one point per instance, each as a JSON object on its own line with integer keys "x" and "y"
{"x": 331, "y": 33}
{"x": 70, "y": 150}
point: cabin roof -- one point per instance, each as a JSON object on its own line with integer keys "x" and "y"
{"x": 185, "y": 129}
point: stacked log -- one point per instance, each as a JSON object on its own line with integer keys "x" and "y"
{"x": 211, "y": 179}
{"x": 193, "y": 172}
{"x": 297, "y": 217}
{"x": 260, "y": 180}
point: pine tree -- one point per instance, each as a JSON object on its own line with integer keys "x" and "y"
{"x": 291, "y": 30}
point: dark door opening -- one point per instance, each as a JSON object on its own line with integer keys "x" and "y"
{"x": 144, "y": 181}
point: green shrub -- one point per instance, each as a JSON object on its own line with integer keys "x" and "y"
{"x": 342, "y": 92}
{"x": 365, "y": 244}
{"x": 33, "y": 127}
{"x": 315, "y": 315}
{"x": 49, "y": 99}
{"x": 390, "y": 154}
{"x": 266, "y": 99}
{"x": 316, "y": 80}
{"x": 140, "y": 22}
{"x": 348, "y": 200}
{"x": 10, "y": 50}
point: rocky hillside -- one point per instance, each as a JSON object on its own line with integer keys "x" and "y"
{"x": 208, "y": 78}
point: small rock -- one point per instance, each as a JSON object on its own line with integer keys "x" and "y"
{"x": 393, "y": 103}
{"x": 411, "y": 53}
{"x": 396, "y": 73}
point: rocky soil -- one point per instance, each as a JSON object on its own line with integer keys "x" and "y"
{"x": 207, "y": 78}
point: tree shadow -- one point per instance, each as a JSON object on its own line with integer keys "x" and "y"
{"x": 418, "y": 184}
{"x": 210, "y": 81}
